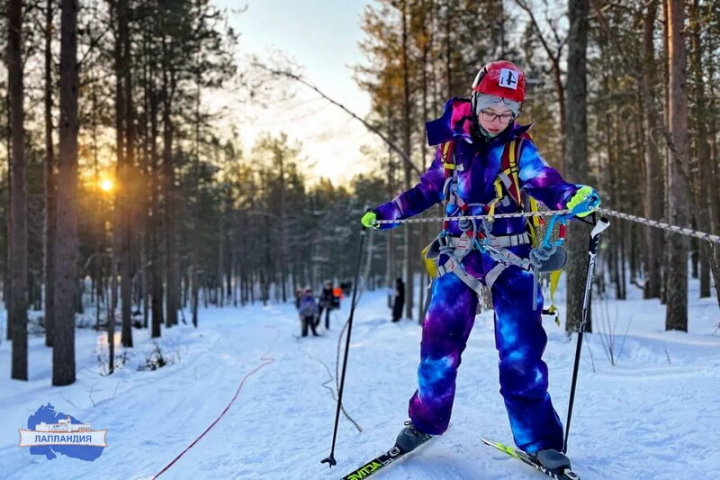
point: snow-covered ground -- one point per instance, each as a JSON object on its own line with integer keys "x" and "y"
{"x": 654, "y": 415}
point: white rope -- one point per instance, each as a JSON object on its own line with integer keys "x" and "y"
{"x": 661, "y": 225}
{"x": 612, "y": 213}
{"x": 545, "y": 213}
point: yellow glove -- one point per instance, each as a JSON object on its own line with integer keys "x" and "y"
{"x": 369, "y": 220}
{"x": 584, "y": 202}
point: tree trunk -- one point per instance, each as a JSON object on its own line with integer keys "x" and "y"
{"x": 653, "y": 204}
{"x": 392, "y": 234}
{"x": 171, "y": 300}
{"x": 703, "y": 204}
{"x": 49, "y": 183}
{"x": 66, "y": 246}
{"x": 128, "y": 124}
{"x": 120, "y": 181}
{"x": 155, "y": 217}
{"x": 677, "y": 175}
{"x": 18, "y": 213}
{"x": 8, "y": 280}
{"x": 712, "y": 179}
{"x": 423, "y": 149}
{"x": 409, "y": 252}
{"x": 576, "y": 165}
{"x": 282, "y": 227}
{"x": 194, "y": 260}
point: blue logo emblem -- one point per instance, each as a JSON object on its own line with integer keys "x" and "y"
{"x": 51, "y": 432}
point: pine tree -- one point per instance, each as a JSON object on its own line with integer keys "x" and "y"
{"x": 66, "y": 246}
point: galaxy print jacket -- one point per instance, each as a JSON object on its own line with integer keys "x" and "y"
{"x": 479, "y": 161}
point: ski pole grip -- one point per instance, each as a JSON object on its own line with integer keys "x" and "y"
{"x": 599, "y": 227}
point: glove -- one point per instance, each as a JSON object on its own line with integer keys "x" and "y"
{"x": 369, "y": 220}
{"x": 585, "y": 201}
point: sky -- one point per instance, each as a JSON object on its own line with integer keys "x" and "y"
{"x": 322, "y": 36}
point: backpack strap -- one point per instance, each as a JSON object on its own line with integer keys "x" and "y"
{"x": 509, "y": 179}
{"x": 451, "y": 168}
{"x": 448, "y": 158}
{"x": 508, "y": 175}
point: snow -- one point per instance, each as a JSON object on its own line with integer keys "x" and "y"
{"x": 653, "y": 415}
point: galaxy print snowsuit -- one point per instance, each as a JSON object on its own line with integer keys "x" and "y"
{"x": 519, "y": 335}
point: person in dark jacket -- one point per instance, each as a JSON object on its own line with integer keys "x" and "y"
{"x": 399, "y": 300}
{"x": 326, "y": 303}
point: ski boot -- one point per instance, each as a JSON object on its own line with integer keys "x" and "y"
{"x": 410, "y": 438}
{"x": 552, "y": 460}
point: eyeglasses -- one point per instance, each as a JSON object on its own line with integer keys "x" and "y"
{"x": 491, "y": 117}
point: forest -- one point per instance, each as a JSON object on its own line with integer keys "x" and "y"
{"x": 130, "y": 201}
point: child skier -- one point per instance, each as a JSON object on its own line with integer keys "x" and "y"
{"x": 308, "y": 310}
{"x": 476, "y": 138}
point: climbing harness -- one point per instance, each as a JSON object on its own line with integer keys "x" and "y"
{"x": 546, "y": 256}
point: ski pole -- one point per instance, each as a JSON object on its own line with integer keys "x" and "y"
{"x": 600, "y": 226}
{"x": 330, "y": 460}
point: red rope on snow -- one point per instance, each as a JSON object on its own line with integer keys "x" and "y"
{"x": 267, "y": 360}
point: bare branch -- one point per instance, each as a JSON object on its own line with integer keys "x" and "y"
{"x": 367, "y": 125}
{"x": 541, "y": 37}
{"x": 647, "y": 98}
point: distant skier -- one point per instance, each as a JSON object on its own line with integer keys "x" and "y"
{"x": 399, "y": 301}
{"x": 485, "y": 164}
{"x": 308, "y": 310}
{"x": 326, "y": 303}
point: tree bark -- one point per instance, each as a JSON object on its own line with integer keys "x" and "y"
{"x": 18, "y": 213}
{"x": 653, "y": 204}
{"x": 171, "y": 299}
{"x": 155, "y": 217}
{"x": 195, "y": 264}
{"x": 409, "y": 253}
{"x": 576, "y": 164}
{"x": 66, "y": 246}
{"x": 50, "y": 207}
{"x": 128, "y": 124}
{"x": 703, "y": 211}
{"x": 677, "y": 189}
{"x": 425, "y": 48}
{"x": 120, "y": 183}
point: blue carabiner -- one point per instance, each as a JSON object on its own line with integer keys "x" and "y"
{"x": 563, "y": 218}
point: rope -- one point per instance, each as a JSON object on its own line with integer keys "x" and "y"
{"x": 266, "y": 359}
{"x": 663, "y": 226}
{"x": 332, "y": 392}
{"x": 547, "y": 213}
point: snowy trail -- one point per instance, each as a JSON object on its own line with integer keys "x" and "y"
{"x": 646, "y": 417}
{"x": 151, "y": 419}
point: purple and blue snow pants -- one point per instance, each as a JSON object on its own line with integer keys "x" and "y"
{"x": 519, "y": 338}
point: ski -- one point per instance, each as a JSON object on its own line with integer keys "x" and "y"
{"x": 567, "y": 473}
{"x": 384, "y": 460}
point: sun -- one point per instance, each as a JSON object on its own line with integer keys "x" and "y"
{"x": 106, "y": 185}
